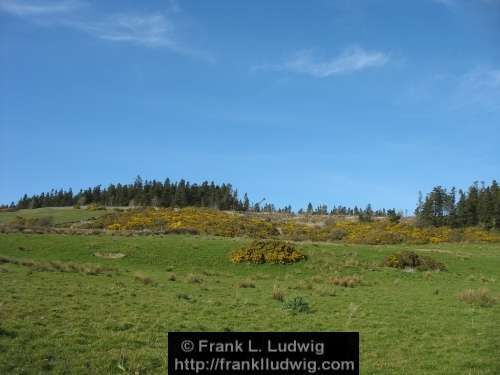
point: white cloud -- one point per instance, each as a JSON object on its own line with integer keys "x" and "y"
{"x": 479, "y": 88}
{"x": 24, "y": 8}
{"x": 351, "y": 60}
{"x": 482, "y": 79}
{"x": 151, "y": 30}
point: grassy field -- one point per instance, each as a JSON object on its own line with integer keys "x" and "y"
{"x": 60, "y": 215}
{"x": 117, "y": 321}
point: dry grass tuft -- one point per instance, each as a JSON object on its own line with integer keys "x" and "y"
{"x": 278, "y": 293}
{"x": 247, "y": 283}
{"x": 193, "y": 279}
{"x": 172, "y": 276}
{"x": 146, "y": 280}
{"x": 481, "y": 297}
{"x": 58, "y": 266}
{"x": 346, "y": 281}
{"x": 326, "y": 291}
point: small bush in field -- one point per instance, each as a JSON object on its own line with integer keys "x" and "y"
{"x": 184, "y": 296}
{"x": 278, "y": 294}
{"x": 296, "y": 305}
{"x": 410, "y": 259}
{"x": 246, "y": 284}
{"x": 172, "y": 277}
{"x": 346, "y": 281}
{"x": 146, "y": 280}
{"x": 267, "y": 251}
{"x": 193, "y": 279}
{"x": 481, "y": 297}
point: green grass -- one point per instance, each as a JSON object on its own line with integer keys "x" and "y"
{"x": 115, "y": 323}
{"x": 61, "y": 215}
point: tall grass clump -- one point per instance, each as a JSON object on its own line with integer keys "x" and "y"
{"x": 278, "y": 293}
{"x": 346, "y": 281}
{"x": 481, "y": 297}
{"x": 141, "y": 277}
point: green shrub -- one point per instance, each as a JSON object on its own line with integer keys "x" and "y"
{"x": 296, "y": 305}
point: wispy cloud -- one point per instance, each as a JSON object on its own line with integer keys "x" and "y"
{"x": 482, "y": 78}
{"x": 151, "y": 30}
{"x": 24, "y": 8}
{"x": 350, "y": 60}
{"x": 447, "y": 3}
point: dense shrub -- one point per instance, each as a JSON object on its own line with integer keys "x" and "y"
{"x": 410, "y": 259}
{"x": 267, "y": 251}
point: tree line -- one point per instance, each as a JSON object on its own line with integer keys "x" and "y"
{"x": 176, "y": 194}
{"x": 144, "y": 193}
{"x": 479, "y": 205}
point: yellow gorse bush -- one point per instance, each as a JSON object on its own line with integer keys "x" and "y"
{"x": 231, "y": 224}
{"x": 267, "y": 251}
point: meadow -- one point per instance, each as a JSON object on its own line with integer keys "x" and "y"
{"x": 102, "y": 304}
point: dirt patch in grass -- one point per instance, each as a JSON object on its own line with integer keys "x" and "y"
{"x": 110, "y": 255}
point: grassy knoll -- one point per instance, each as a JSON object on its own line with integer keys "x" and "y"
{"x": 61, "y": 215}
{"x": 56, "y": 321}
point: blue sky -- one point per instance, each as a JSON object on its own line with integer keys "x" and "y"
{"x": 336, "y": 102}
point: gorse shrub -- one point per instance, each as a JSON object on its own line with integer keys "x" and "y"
{"x": 192, "y": 220}
{"x": 410, "y": 259}
{"x": 267, "y": 251}
{"x": 296, "y": 305}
